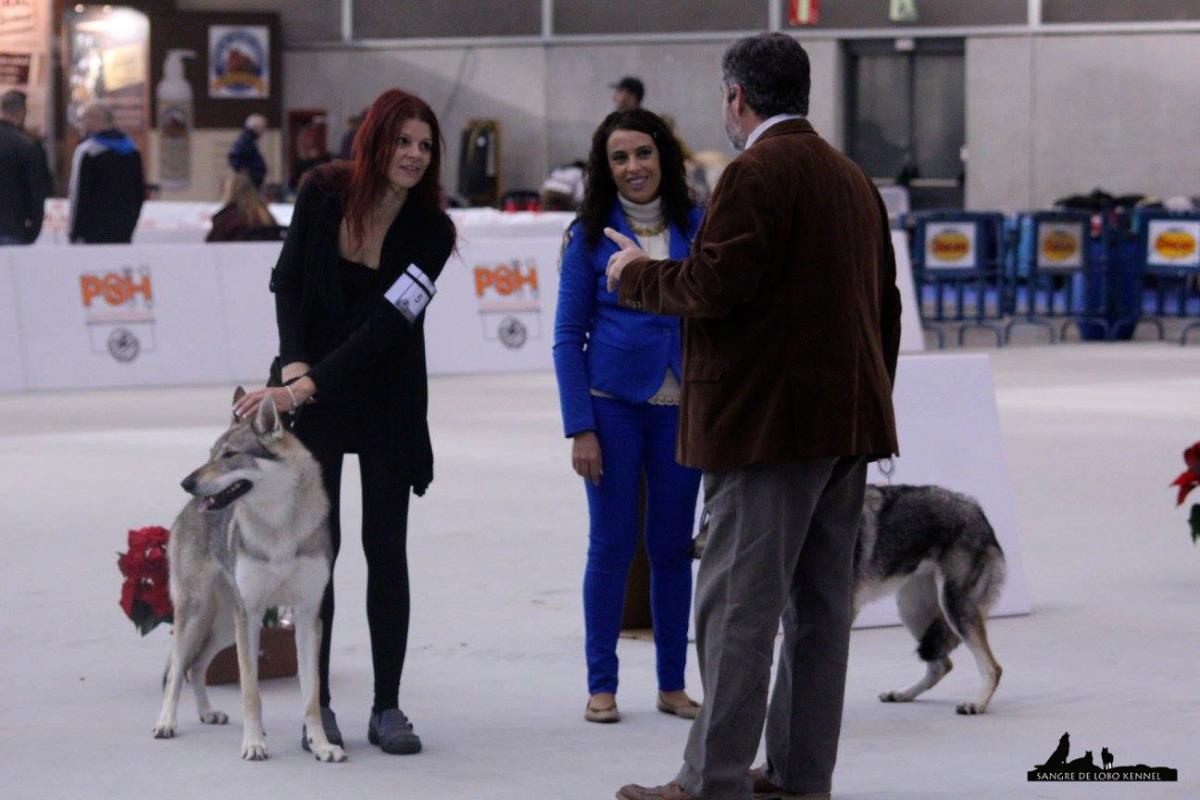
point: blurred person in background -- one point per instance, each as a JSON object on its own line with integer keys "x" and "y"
{"x": 345, "y": 147}
{"x": 23, "y": 185}
{"x": 310, "y": 152}
{"x": 628, "y": 93}
{"x": 618, "y": 373}
{"x": 108, "y": 185}
{"x": 564, "y": 187}
{"x": 244, "y": 217}
{"x": 244, "y": 156}
{"x": 18, "y": 101}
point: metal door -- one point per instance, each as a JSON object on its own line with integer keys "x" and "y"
{"x": 906, "y": 118}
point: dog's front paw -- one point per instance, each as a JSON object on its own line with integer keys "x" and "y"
{"x": 164, "y": 730}
{"x": 214, "y": 718}
{"x": 896, "y": 697}
{"x": 970, "y": 708}
{"x": 254, "y": 750}
{"x": 331, "y": 753}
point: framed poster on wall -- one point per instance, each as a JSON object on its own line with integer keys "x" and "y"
{"x": 239, "y": 62}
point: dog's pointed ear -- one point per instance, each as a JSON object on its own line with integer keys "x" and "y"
{"x": 238, "y": 394}
{"x": 267, "y": 423}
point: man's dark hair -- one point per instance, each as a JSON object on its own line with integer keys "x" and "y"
{"x": 12, "y": 101}
{"x": 772, "y": 69}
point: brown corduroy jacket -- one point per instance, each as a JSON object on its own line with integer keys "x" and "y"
{"x": 791, "y": 312}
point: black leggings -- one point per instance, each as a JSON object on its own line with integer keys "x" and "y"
{"x": 384, "y": 536}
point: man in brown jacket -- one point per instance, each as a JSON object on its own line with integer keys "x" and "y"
{"x": 791, "y": 330}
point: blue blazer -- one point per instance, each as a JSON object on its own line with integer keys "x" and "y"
{"x": 600, "y": 345}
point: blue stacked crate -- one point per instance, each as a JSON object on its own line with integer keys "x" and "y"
{"x": 1056, "y": 275}
{"x": 958, "y": 267}
{"x": 1164, "y": 259}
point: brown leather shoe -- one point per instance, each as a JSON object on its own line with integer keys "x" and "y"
{"x": 765, "y": 790}
{"x": 672, "y": 791}
{"x": 688, "y": 709}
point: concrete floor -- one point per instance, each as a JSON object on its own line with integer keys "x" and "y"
{"x": 495, "y": 678}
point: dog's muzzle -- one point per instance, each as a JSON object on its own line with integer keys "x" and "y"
{"x": 215, "y": 502}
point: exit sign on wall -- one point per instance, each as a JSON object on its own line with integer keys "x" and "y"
{"x": 802, "y": 12}
{"x": 903, "y": 11}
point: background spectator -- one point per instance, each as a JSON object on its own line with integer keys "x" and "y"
{"x": 108, "y": 184}
{"x": 629, "y": 94}
{"x": 22, "y": 175}
{"x": 310, "y": 152}
{"x": 563, "y": 188}
{"x": 346, "y": 146}
{"x": 244, "y": 217}
{"x": 245, "y": 156}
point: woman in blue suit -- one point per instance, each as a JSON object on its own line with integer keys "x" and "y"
{"x": 618, "y": 378}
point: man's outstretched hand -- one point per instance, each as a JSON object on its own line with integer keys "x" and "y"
{"x": 619, "y": 260}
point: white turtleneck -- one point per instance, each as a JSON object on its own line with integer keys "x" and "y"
{"x": 648, "y": 215}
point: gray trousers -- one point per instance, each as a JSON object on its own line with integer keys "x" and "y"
{"x": 780, "y": 544}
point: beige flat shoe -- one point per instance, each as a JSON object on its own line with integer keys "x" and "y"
{"x": 688, "y": 709}
{"x": 608, "y": 714}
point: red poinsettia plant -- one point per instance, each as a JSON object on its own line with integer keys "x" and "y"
{"x": 145, "y": 597}
{"x": 1189, "y": 479}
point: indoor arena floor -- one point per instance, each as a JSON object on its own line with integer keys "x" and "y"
{"x": 495, "y": 678}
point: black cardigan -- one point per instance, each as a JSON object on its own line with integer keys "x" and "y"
{"x": 306, "y": 287}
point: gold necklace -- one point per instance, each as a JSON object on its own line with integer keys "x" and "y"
{"x": 642, "y": 231}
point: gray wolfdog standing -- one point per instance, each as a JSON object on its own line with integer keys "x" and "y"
{"x": 255, "y": 535}
{"x": 936, "y": 551}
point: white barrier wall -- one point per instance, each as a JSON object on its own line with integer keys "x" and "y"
{"x": 171, "y": 314}
{"x": 117, "y": 315}
{"x": 912, "y": 337}
{"x": 12, "y": 366}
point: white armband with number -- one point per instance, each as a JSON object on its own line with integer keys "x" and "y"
{"x": 411, "y": 292}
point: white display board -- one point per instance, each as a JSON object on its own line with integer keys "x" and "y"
{"x": 1060, "y": 245}
{"x": 248, "y": 307}
{"x": 119, "y": 315}
{"x": 494, "y": 310}
{"x": 950, "y": 245}
{"x": 12, "y": 366}
{"x": 912, "y": 337}
{"x": 1173, "y": 243}
{"x": 949, "y": 433}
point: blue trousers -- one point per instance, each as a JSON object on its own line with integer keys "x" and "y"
{"x": 636, "y": 438}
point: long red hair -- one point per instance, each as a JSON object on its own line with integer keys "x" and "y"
{"x": 371, "y": 156}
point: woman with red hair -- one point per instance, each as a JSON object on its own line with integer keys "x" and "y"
{"x": 368, "y": 239}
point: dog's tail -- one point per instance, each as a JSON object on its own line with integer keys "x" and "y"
{"x": 993, "y": 565}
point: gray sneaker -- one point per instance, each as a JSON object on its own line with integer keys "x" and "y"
{"x": 329, "y": 721}
{"x": 392, "y": 731}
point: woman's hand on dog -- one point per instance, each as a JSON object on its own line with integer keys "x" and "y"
{"x": 585, "y": 457}
{"x": 285, "y": 400}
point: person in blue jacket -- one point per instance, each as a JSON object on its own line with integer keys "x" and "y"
{"x": 619, "y": 380}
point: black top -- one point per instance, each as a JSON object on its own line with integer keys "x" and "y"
{"x": 107, "y": 189}
{"x": 22, "y": 184}
{"x": 334, "y": 317}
